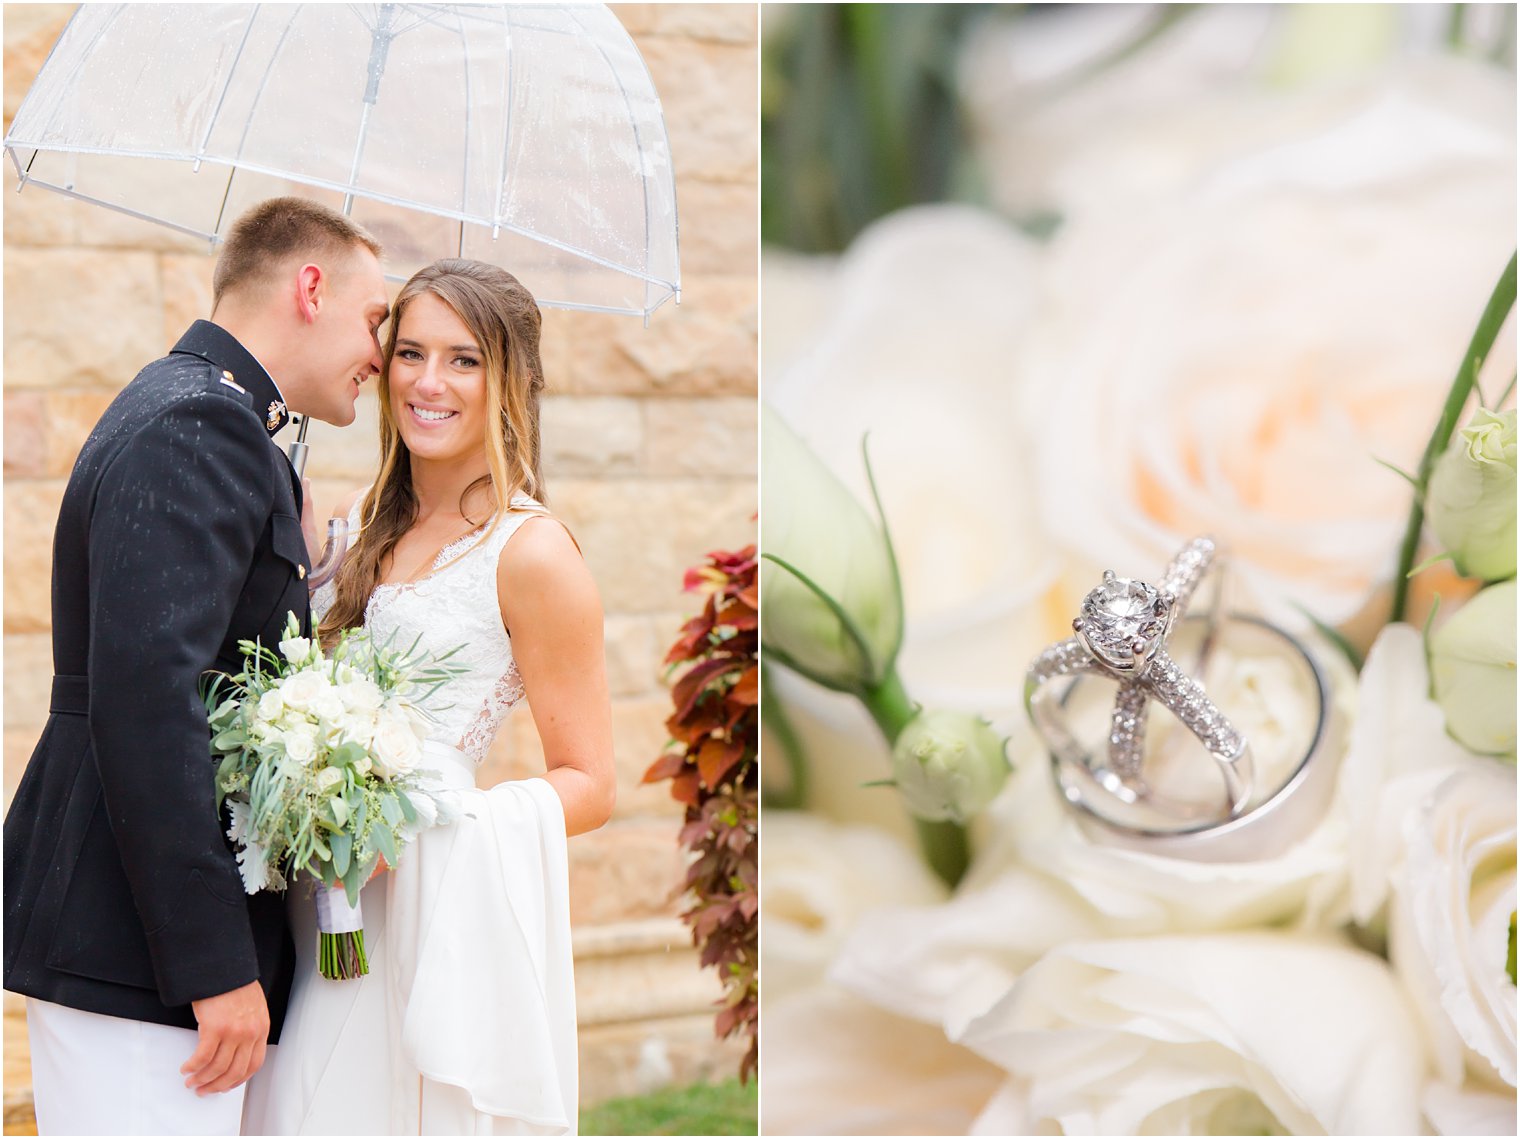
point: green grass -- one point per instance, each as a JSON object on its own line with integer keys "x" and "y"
{"x": 728, "y": 1108}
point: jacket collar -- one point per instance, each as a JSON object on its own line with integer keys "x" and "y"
{"x": 216, "y": 345}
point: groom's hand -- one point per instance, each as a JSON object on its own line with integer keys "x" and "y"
{"x": 234, "y": 1027}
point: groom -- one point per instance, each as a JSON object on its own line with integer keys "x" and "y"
{"x": 153, "y": 980}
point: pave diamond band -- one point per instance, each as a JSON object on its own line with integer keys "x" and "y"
{"x": 1122, "y": 632}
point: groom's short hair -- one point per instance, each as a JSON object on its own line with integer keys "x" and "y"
{"x": 276, "y": 229}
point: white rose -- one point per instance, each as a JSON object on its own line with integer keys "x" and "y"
{"x": 329, "y": 777}
{"x": 328, "y": 705}
{"x": 835, "y": 1065}
{"x": 271, "y": 705}
{"x": 295, "y": 649}
{"x": 395, "y": 746}
{"x": 941, "y": 296}
{"x": 819, "y": 878}
{"x": 360, "y": 694}
{"x": 300, "y": 743}
{"x": 1434, "y": 841}
{"x": 299, "y": 691}
{"x": 1245, "y": 1033}
{"x": 1450, "y": 923}
{"x": 1230, "y": 360}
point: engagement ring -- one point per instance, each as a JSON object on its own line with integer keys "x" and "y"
{"x": 1122, "y": 632}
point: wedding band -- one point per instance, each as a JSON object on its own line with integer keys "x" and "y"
{"x": 1122, "y": 633}
{"x": 1281, "y": 816}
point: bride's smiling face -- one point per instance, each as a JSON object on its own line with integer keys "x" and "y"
{"x": 437, "y": 379}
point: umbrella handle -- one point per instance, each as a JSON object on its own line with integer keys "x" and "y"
{"x": 332, "y": 554}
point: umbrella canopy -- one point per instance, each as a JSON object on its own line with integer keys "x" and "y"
{"x": 528, "y": 135}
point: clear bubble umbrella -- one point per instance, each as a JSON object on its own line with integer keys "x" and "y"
{"x": 528, "y": 135}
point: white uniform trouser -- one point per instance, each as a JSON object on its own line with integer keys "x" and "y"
{"x": 102, "y": 1075}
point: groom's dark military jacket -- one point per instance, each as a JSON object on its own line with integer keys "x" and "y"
{"x": 179, "y": 535}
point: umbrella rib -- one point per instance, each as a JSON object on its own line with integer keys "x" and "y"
{"x": 258, "y": 94}
{"x": 506, "y": 131}
{"x": 638, "y": 141}
{"x": 221, "y": 99}
{"x": 464, "y": 178}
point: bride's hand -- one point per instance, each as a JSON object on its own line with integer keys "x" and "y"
{"x": 381, "y": 866}
{"x": 309, "y": 522}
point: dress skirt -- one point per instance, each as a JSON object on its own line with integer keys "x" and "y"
{"x": 465, "y": 1023}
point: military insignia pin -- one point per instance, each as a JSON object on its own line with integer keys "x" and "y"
{"x": 276, "y": 413}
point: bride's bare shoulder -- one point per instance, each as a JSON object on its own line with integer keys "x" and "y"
{"x": 541, "y": 561}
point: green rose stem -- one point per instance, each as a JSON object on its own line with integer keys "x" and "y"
{"x": 944, "y": 844}
{"x": 1494, "y": 316}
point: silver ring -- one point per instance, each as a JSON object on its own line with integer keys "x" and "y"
{"x": 1279, "y": 818}
{"x": 1122, "y": 633}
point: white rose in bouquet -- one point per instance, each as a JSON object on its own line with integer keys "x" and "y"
{"x": 300, "y": 691}
{"x": 328, "y": 705}
{"x": 360, "y": 694}
{"x": 300, "y": 743}
{"x": 395, "y": 744}
{"x": 1219, "y": 360}
{"x": 296, "y": 650}
{"x": 271, "y": 705}
{"x": 1244, "y": 1033}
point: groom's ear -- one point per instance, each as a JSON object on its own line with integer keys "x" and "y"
{"x": 311, "y": 290}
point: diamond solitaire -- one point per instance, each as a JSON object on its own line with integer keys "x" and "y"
{"x": 1124, "y": 622}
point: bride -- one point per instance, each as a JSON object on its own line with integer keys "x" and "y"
{"x": 465, "y": 1023}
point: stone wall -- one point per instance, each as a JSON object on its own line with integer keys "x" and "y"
{"x": 650, "y": 438}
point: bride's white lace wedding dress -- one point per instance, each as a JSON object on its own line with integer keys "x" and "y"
{"x": 465, "y": 1024}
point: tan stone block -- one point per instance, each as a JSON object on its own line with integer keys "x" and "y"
{"x": 349, "y": 454}
{"x": 28, "y": 681}
{"x": 590, "y": 435}
{"x": 31, "y": 30}
{"x": 31, "y": 514}
{"x": 636, "y": 646}
{"x": 719, "y": 227}
{"x": 639, "y": 737}
{"x": 702, "y": 437}
{"x": 19, "y": 745}
{"x": 25, "y": 434}
{"x": 110, "y": 229}
{"x": 710, "y": 95}
{"x": 638, "y": 986}
{"x": 39, "y": 217}
{"x": 517, "y": 752}
{"x": 619, "y": 1060}
{"x": 628, "y": 870}
{"x": 640, "y": 537}
{"x": 723, "y": 23}
{"x": 187, "y": 292}
{"x": 76, "y": 317}
{"x": 71, "y": 416}
{"x": 557, "y": 350}
{"x": 706, "y": 345}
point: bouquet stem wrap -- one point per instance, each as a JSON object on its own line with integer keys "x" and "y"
{"x": 340, "y": 936}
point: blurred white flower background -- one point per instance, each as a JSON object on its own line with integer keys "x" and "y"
{"x": 1185, "y": 270}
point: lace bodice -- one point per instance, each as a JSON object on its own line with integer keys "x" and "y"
{"x": 456, "y": 605}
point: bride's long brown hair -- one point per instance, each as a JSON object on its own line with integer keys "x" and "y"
{"x": 504, "y": 319}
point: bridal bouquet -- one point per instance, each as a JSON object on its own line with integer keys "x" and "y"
{"x": 319, "y": 755}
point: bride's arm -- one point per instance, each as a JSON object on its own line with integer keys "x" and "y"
{"x": 554, "y": 618}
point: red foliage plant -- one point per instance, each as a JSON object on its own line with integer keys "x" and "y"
{"x": 712, "y": 762}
